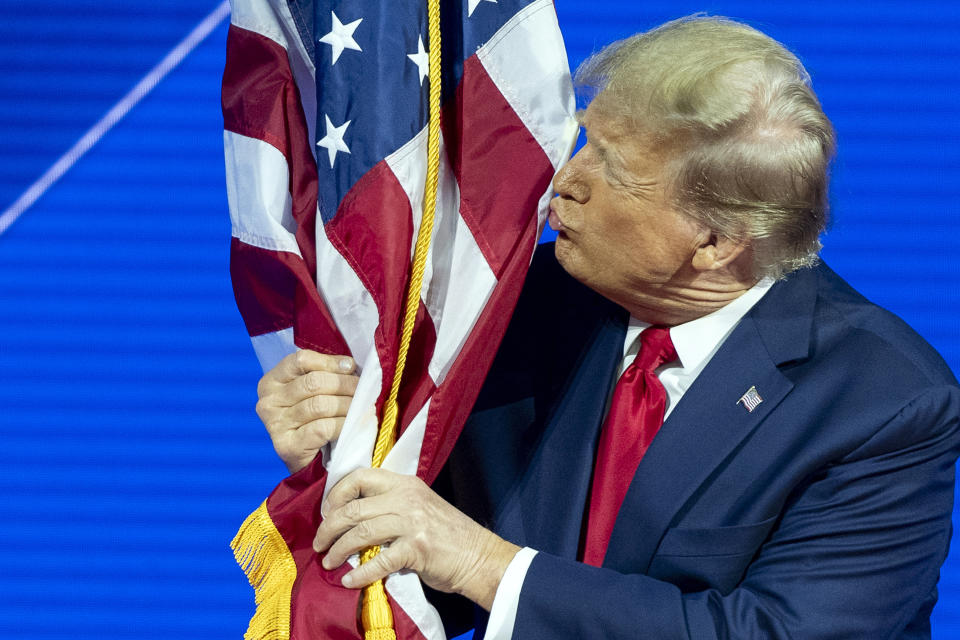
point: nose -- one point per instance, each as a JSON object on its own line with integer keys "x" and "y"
{"x": 568, "y": 182}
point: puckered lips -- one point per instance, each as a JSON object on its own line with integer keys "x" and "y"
{"x": 555, "y": 222}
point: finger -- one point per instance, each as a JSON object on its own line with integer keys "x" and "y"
{"x": 315, "y": 408}
{"x": 304, "y": 361}
{"x": 388, "y": 561}
{"x": 337, "y": 522}
{"x": 358, "y": 484}
{"x": 317, "y": 433}
{"x": 315, "y": 383}
{"x": 302, "y": 445}
{"x": 367, "y": 533}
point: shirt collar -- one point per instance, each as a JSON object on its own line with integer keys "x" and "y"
{"x": 697, "y": 340}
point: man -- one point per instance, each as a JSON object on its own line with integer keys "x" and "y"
{"x": 801, "y": 483}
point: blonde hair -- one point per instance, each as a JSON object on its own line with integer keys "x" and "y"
{"x": 749, "y": 142}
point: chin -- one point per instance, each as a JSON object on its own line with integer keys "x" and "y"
{"x": 572, "y": 263}
{"x": 562, "y": 251}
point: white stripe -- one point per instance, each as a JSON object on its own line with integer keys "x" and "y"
{"x": 351, "y": 305}
{"x": 457, "y": 279}
{"x": 260, "y": 204}
{"x": 528, "y": 63}
{"x": 354, "y": 448}
{"x": 273, "y": 347}
{"x": 258, "y": 16}
{"x": 406, "y": 590}
{"x": 462, "y": 284}
{"x": 273, "y": 20}
{"x": 113, "y": 116}
{"x": 404, "y": 457}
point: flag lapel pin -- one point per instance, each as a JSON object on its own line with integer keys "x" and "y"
{"x": 750, "y": 400}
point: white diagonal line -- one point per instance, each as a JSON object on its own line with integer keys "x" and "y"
{"x": 114, "y": 115}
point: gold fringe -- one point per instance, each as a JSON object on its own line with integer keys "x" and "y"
{"x": 263, "y": 555}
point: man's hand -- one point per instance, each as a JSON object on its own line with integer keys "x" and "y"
{"x": 303, "y": 402}
{"x": 449, "y": 551}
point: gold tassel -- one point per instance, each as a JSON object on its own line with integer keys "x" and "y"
{"x": 263, "y": 555}
{"x": 376, "y": 615}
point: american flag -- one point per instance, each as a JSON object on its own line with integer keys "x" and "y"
{"x": 325, "y": 115}
{"x": 750, "y": 400}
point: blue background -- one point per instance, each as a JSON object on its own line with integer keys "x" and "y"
{"x": 130, "y": 449}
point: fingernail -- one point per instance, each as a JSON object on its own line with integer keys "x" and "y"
{"x": 347, "y": 580}
{"x": 346, "y": 364}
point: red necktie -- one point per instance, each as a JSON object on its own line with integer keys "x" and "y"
{"x": 636, "y": 414}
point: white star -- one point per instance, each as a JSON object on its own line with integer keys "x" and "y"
{"x": 472, "y": 4}
{"x": 333, "y": 141}
{"x": 421, "y": 59}
{"x": 341, "y": 37}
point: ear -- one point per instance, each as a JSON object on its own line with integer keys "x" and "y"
{"x": 716, "y": 252}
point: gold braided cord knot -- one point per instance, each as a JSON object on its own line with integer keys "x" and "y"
{"x": 376, "y": 616}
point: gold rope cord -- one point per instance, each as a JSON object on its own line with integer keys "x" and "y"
{"x": 376, "y": 615}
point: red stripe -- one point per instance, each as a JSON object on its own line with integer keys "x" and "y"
{"x": 453, "y": 400}
{"x": 417, "y": 385}
{"x": 492, "y": 148}
{"x": 266, "y": 283}
{"x": 373, "y": 231}
{"x": 490, "y": 145}
{"x": 260, "y": 100}
{"x": 320, "y": 606}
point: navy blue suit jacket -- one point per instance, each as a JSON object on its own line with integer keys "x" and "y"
{"x": 824, "y": 513}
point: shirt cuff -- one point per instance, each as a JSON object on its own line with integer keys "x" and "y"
{"x": 503, "y": 613}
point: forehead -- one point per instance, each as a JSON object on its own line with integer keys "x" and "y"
{"x": 624, "y": 136}
{"x": 601, "y": 121}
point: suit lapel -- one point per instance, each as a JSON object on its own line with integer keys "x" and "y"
{"x": 553, "y": 493}
{"x": 708, "y": 424}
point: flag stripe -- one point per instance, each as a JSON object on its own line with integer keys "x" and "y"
{"x": 414, "y": 616}
{"x": 539, "y": 91}
{"x": 264, "y": 283}
{"x": 272, "y": 207}
{"x": 373, "y": 232}
{"x": 260, "y": 203}
{"x": 273, "y": 20}
{"x": 505, "y": 89}
{"x": 453, "y": 400}
{"x": 261, "y": 100}
{"x": 494, "y": 143}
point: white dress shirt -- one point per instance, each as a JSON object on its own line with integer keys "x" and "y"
{"x": 696, "y": 343}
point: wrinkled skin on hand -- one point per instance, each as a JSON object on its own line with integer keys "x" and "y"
{"x": 303, "y": 402}
{"x": 449, "y": 551}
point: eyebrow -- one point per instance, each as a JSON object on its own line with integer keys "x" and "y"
{"x": 610, "y": 160}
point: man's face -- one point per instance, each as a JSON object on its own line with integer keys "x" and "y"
{"x": 618, "y": 232}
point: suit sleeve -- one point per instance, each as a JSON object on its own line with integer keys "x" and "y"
{"x": 856, "y": 554}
